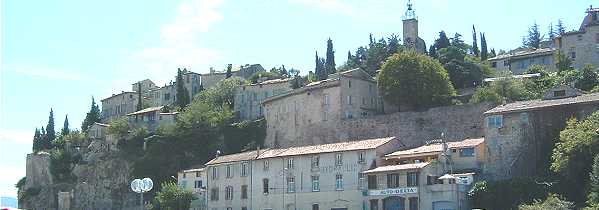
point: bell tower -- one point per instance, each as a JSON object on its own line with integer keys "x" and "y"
{"x": 410, "y": 27}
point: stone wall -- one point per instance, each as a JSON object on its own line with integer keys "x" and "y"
{"x": 412, "y": 128}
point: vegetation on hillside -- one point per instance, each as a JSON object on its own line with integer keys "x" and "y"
{"x": 171, "y": 197}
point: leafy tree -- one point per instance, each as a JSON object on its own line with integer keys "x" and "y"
{"x": 37, "y": 140}
{"x": 415, "y": 80}
{"x": 593, "y": 196}
{"x": 506, "y": 89}
{"x": 588, "y": 79}
{"x": 561, "y": 29}
{"x": 246, "y": 135}
{"x": 483, "y": 47}
{"x": 376, "y": 56}
{"x": 505, "y": 194}
{"x": 552, "y": 202}
{"x": 222, "y": 94}
{"x": 573, "y": 155}
{"x": 442, "y": 41}
{"x": 50, "y": 133}
{"x": 61, "y": 165}
{"x": 329, "y": 64}
{"x": 534, "y": 38}
{"x": 119, "y": 127}
{"x": 182, "y": 95}
{"x": 65, "y": 128}
{"x": 283, "y": 72}
{"x": 492, "y": 54}
{"x": 536, "y": 87}
{"x": 320, "y": 70}
{"x": 475, "y": 49}
{"x": 229, "y": 69}
{"x": 171, "y": 197}
{"x": 457, "y": 41}
{"x": 92, "y": 116}
{"x": 562, "y": 62}
{"x": 393, "y": 45}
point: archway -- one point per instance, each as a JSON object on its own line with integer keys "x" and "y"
{"x": 394, "y": 203}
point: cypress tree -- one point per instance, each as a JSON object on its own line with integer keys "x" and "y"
{"x": 442, "y": 41}
{"x": 561, "y": 29}
{"x": 283, "y": 72}
{"x": 533, "y": 39}
{"x": 43, "y": 139}
{"x": 139, "y": 99}
{"x": 37, "y": 140}
{"x": 349, "y": 56}
{"x": 182, "y": 94}
{"x": 492, "y": 54}
{"x": 229, "y": 69}
{"x": 50, "y": 132}
{"x": 92, "y": 116}
{"x": 320, "y": 71}
{"x": 484, "y": 54}
{"x": 65, "y": 128}
{"x": 329, "y": 64}
{"x": 432, "y": 52}
{"x": 551, "y": 32}
{"x": 475, "y": 50}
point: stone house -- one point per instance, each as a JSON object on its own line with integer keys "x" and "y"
{"x": 519, "y": 136}
{"x": 248, "y": 98}
{"x": 97, "y": 131}
{"x": 143, "y": 85}
{"x": 119, "y": 105}
{"x": 162, "y": 96}
{"x": 344, "y": 96}
{"x": 326, "y": 176}
{"x": 194, "y": 180}
{"x": 519, "y": 61}
{"x": 426, "y": 177}
{"x": 243, "y": 71}
{"x": 582, "y": 46}
{"x": 151, "y": 118}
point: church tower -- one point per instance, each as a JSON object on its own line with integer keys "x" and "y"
{"x": 410, "y": 31}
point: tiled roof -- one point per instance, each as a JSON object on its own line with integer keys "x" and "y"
{"x": 146, "y": 110}
{"x": 437, "y": 147}
{"x": 327, "y": 148}
{"x": 272, "y": 81}
{"x": 193, "y": 170}
{"x": 115, "y": 95}
{"x": 524, "y": 53}
{"x": 397, "y": 167}
{"x": 250, "y": 155}
{"x": 539, "y": 104}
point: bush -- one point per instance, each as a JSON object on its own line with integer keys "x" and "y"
{"x": 504, "y": 90}
{"x": 119, "y": 127}
{"x": 61, "y": 165}
{"x": 552, "y": 202}
{"x": 506, "y": 194}
{"x": 171, "y": 197}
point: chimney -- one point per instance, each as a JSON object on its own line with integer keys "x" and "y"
{"x": 258, "y": 151}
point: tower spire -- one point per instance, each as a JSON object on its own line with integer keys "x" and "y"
{"x": 409, "y": 14}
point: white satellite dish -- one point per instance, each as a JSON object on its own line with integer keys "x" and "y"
{"x": 136, "y": 185}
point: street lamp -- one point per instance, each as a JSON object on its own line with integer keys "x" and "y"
{"x": 140, "y": 186}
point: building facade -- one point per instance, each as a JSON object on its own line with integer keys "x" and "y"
{"x": 582, "y": 46}
{"x": 118, "y": 105}
{"x": 344, "y": 96}
{"x": 151, "y": 118}
{"x": 324, "y": 176}
{"x": 194, "y": 180}
{"x": 248, "y": 98}
{"x": 518, "y": 62}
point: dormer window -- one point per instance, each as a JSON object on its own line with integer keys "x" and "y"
{"x": 559, "y": 93}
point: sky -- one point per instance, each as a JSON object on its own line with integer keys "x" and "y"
{"x": 59, "y": 54}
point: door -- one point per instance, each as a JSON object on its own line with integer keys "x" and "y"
{"x": 394, "y": 203}
{"x": 443, "y": 205}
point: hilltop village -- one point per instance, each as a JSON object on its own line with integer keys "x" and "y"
{"x": 328, "y": 142}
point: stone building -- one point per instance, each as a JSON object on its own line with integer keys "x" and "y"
{"x": 344, "y": 96}
{"x": 248, "y": 98}
{"x": 243, "y": 71}
{"x": 143, "y": 85}
{"x": 194, "y": 180}
{"x": 518, "y": 62}
{"x": 162, "y": 96}
{"x": 97, "y": 131}
{"x": 151, "y": 118}
{"x": 410, "y": 31}
{"x": 326, "y": 176}
{"x": 519, "y": 136}
{"x": 582, "y": 46}
{"x": 118, "y": 105}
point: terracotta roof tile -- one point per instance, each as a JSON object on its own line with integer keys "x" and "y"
{"x": 437, "y": 148}
{"x": 397, "y": 167}
{"x": 250, "y": 155}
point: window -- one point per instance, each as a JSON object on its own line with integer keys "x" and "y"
{"x": 579, "y": 37}
{"x": 349, "y": 115}
{"x": 315, "y": 206}
{"x": 361, "y": 181}
{"x": 315, "y": 161}
{"x": 214, "y": 194}
{"x": 505, "y": 63}
{"x": 374, "y": 204}
{"x": 413, "y": 205}
{"x": 339, "y": 182}
{"x": 559, "y": 93}
{"x": 412, "y": 179}
{"x": 290, "y": 184}
{"x": 349, "y": 101}
{"x": 326, "y": 99}
{"x": 430, "y": 180}
{"x": 324, "y": 116}
{"x": 244, "y": 208}
{"x": 392, "y": 180}
{"x": 495, "y": 121}
{"x": 363, "y": 100}
{"x": 338, "y": 159}
{"x": 467, "y": 152}
{"x": 370, "y": 88}
{"x": 573, "y": 55}
{"x": 349, "y": 83}
{"x": 372, "y": 182}
{"x": 229, "y": 171}
{"x": 229, "y": 193}
{"x": 361, "y": 158}
{"x": 290, "y": 163}
{"x": 244, "y": 169}
{"x": 265, "y": 186}
{"x": 494, "y": 64}
{"x": 214, "y": 172}
{"x": 244, "y": 192}
{"x": 198, "y": 184}
{"x": 229, "y": 208}
{"x": 315, "y": 183}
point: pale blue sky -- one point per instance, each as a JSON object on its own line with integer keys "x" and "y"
{"x": 60, "y": 53}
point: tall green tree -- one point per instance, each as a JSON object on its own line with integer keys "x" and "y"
{"x": 561, "y": 29}
{"x": 483, "y": 47}
{"x": 593, "y": 196}
{"x": 320, "y": 70}
{"x": 329, "y": 64}
{"x": 415, "y": 81}
{"x": 533, "y": 38}
{"x": 432, "y": 51}
{"x": 92, "y": 116}
{"x": 172, "y": 197}
{"x": 475, "y": 49}
{"x": 50, "y": 132}
{"x": 551, "y": 32}
{"x": 376, "y": 56}
{"x": 442, "y": 41}
{"x": 393, "y": 45}
{"x": 139, "y": 98}
{"x": 37, "y": 140}
{"x": 562, "y": 62}
{"x": 492, "y": 54}
{"x": 182, "y": 94}
{"x": 229, "y": 71}
{"x": 65, "y": 128}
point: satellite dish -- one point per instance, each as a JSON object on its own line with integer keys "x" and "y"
{"x": 146, "y": 184}
{"x": 136, "y": 185}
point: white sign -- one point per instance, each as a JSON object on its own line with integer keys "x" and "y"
{"x": 396, "y": 191}
{"x": 136, "y": 185}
